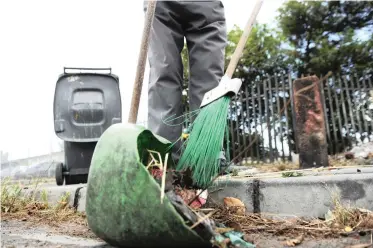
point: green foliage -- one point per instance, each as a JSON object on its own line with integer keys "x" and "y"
{"x": 321, "y": 35}
{"x": 263, "y": 53}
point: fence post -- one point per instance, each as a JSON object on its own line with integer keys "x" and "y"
{"x": 309, "y": 123}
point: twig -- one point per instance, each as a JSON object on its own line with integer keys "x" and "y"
{"x": 206, "y": 209}
{"x": 163, "y": 185}
{"x": 203, "y": 219}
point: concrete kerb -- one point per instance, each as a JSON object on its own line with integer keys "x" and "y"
{"x": 306, "y": 196}
{"x": 54, "y": 194}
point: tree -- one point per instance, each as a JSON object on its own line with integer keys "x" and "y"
{"x": 326, "y": 36}
{"x": 322, "y": 35}
{"x": 263, "y": 53}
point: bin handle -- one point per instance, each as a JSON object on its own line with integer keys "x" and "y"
{"x": 86, "y": 69}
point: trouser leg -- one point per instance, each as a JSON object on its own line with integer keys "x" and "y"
{"x": 206, "y": 37}
{"x": 206, "y": 40}
{"x": 166, "y": 73}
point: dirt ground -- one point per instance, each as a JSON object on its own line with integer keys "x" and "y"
{"x": 18, "y": 233}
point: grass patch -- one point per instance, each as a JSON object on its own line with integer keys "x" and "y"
{"x": 30, "y": 202}
{"x": 348, "y": 218}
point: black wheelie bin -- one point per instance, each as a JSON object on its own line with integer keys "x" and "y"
{"x": 86, "y": 102}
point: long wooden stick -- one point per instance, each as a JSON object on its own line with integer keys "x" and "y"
{"x": 241, "y": 44}
{"x": 141, "y": 63}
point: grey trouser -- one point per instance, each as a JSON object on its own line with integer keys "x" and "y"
{"x": 202, "y": 23}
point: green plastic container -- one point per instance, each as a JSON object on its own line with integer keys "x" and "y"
{"x": 123, "y": 204}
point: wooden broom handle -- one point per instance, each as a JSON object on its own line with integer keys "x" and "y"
{"x": 141, "y": 63}
{"x": 241, "y": 44}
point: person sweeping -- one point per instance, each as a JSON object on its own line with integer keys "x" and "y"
{"x": 202, "y": 24}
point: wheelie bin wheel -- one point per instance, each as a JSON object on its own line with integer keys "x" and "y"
{"x": 59, "y": 174}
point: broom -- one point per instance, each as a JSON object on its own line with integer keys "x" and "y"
{"x": 206, "y": 138}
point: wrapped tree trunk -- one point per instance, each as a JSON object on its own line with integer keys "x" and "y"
{"x": 310, "y": 123}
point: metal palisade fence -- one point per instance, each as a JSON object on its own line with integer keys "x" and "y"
{"x": 261, "y": 116}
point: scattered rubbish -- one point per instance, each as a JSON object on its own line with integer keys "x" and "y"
{"x": 228, "y": 225}
{"x": 189, "y": 194}
{"x": 364, "y": 151}
{"x": 226, "y": 236}
{"x": 236, "y": 239}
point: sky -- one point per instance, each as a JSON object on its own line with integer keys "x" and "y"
{"x": 40, "y": 37}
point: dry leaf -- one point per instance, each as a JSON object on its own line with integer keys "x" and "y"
{"x": 234, "y": 204}
{"x": 236, "y": 226}
{"x": 348, "y": 229}
{"x": 294, "y": 242}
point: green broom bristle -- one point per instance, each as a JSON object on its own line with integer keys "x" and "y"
{"x": 205, "y": 142}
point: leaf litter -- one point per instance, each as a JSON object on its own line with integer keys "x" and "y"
{"x": 342, "y": 221}
{"x": 229, "y": 219}
{"x": 234, "y": 224}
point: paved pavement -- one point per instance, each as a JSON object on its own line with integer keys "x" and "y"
{"x": 21, "y": 234}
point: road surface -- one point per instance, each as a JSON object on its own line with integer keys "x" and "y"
{"x": 16, "y": 233}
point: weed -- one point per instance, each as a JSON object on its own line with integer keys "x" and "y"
{"x": 16, "y": 202}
